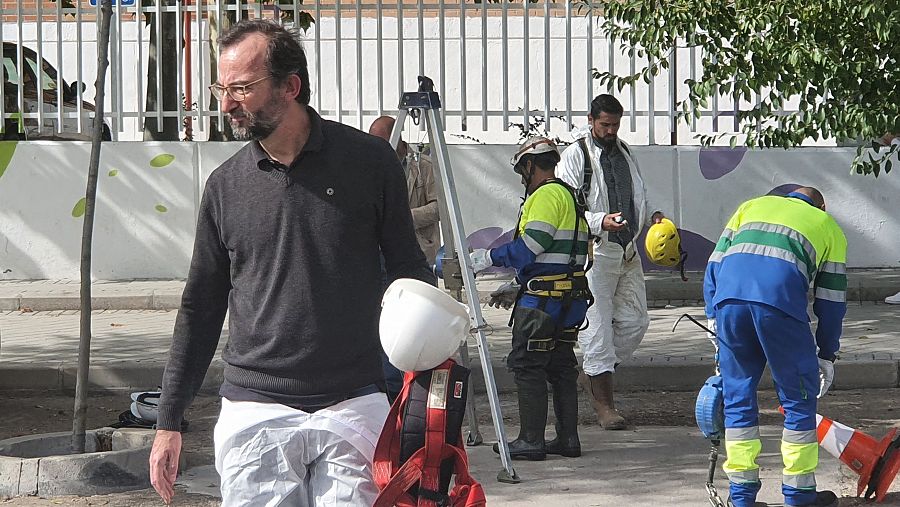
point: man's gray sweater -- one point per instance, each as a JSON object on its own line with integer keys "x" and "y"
{"x": 292, "y": 253}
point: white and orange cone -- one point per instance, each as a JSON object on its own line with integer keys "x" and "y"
{"x": 876, "y": 462}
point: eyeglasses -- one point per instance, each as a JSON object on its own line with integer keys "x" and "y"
{"x": 237, "y": 92}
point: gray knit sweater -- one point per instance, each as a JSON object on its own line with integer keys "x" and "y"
{"x": 292, "y": 253}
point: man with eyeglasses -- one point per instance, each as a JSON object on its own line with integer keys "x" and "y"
{"x": 618, "y": 209}
{"x": 288, "y": 240}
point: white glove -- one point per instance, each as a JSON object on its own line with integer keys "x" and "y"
{"x": 826, "y": 376}
{"x": 711, "y": 325}
{"x": 481, "y": 259}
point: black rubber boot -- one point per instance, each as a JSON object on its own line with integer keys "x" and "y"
{"x": 565, "y": 406}
{"x": 533, "y": 420}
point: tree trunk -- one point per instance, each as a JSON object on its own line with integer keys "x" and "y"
{"x": 163, "y": 53}
{"x": 84, "y": 340}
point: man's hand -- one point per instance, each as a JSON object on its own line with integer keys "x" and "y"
{"x": 657, "y": 217}
{"x": 164, "y": 463}
{"x": 505, "y": 296}
{"x": 481, "y": 259}
{"x": 826, "y": 376}
{"x": 611, "y": 224}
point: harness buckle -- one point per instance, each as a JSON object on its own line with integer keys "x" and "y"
{"x": 569, "y": 335}
{"x": 542, "y": 345}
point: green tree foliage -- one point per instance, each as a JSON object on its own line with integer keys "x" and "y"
{"x": 839, "y": 58}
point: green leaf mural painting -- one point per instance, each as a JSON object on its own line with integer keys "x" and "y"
{"x": 7, "y": 150}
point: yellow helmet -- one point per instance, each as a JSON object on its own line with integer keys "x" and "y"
{"x": 663, "y": 245}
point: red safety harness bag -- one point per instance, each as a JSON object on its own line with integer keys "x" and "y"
{"x": 420, "y": 449}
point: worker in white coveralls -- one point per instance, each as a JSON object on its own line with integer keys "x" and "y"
{"x": 606, "y": 173}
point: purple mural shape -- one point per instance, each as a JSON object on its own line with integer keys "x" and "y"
{"x": 491, "y": 237}
{"x": 717, "y": 161}
{"x": 783, "y": 190}
{"x": 697, "y": 247}
{"x": 482, "y": 238}
{"x": 504, "y": 238}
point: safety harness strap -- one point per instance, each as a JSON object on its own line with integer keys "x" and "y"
{"x": 423, "y": 466}
{"x": 585, "y": 187}
{"x": 569, "y": 335}
{"x": 557, "y": 285}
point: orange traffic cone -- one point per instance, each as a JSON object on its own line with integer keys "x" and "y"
{"x": 876, "y": 462}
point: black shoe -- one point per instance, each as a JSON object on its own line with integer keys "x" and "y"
{"x": 570, "y": 447}
{"x": 520, "y": 449}
{"x": 823, "y": 499}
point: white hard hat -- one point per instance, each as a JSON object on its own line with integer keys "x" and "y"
{"x": 421, "y": 326}
{"x": 534, "y": 145}
{"x": 145, "y": 405}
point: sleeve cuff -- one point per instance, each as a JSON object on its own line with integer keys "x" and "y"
{"x": 168, "y": 420}
{"x": 828, "y": 356}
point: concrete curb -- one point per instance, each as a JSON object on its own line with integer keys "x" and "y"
{"x": 105, "y": 376}
{"x": 656, "y": 373}
{"x": 116, "y": 460}
{"x": 127, "y": 302}
{"x": 663, "y": 288}
{"x": 682, "y": 375}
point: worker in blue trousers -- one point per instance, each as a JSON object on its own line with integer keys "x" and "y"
{"x": 772, "y": 251}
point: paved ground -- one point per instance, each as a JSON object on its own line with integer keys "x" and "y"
{"x": 661, "y": 460}
{"x": 651, "y": 465}
{"x": 666, "y": 465}
{"x": 129, "y": 349}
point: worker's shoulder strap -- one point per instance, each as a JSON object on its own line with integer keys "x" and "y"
{"x": 585, "y": 187}
{"x": 580, "y": 209}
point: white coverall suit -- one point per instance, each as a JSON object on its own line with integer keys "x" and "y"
{"x": 618, "y": 318}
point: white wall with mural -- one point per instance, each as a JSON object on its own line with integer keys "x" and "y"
{"x": 148, "y": 195}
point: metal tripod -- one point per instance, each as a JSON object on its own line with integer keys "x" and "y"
{"x": 458, "y": 274}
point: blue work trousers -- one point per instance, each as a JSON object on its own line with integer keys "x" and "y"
{"x": 750, "y": 335}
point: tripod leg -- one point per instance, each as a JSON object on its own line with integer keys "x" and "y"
{"x": 475, "y": 437}
{"x": 448, "y": 189}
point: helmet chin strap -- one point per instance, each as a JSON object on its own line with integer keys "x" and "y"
{"x": 528, "y": 175}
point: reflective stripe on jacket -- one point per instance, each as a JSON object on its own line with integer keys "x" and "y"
{"x": 772, "y": 250}
{"x": 546, "y": 230}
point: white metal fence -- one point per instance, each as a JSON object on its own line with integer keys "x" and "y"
{"x": 494, "y": 64}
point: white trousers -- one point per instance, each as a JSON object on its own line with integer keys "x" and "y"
{"x": 618, "y": 318}
{"x": 269, "y": 454}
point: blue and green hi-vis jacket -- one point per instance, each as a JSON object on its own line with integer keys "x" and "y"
{"x": 546, "y": 235}
{"x": 546, "y": 230}
{"x": 771, "y": 251}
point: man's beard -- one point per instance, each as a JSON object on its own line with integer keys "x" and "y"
{"x": 607, "y": 141}
{"x": 258, "y": 125}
